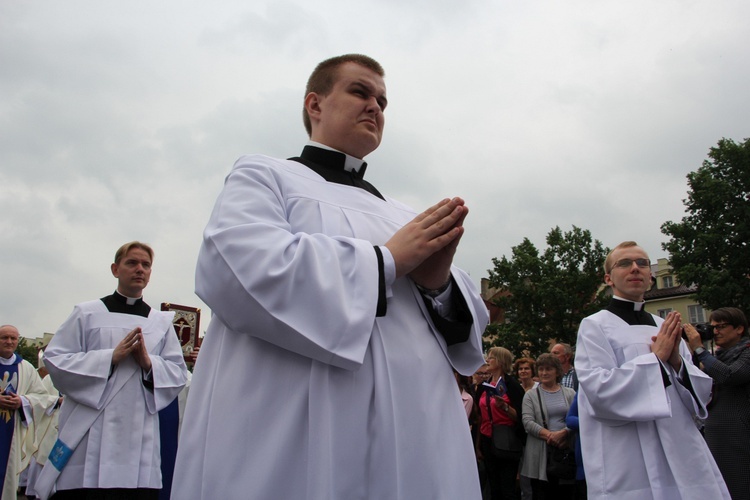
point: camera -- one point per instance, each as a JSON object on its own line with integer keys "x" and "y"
{"x": 705, "y": 330}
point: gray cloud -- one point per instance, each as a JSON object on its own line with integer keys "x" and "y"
{"x": 120, "y": 121}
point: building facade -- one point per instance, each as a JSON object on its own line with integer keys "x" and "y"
{"x": 668, "y": 294}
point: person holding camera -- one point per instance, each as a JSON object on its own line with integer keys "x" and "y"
{"x": 727, "y": 428}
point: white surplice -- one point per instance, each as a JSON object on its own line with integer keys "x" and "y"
{"x": 299, "y": 390}
{"x": 639, "y": 439}
{"x": 121, "y": 448}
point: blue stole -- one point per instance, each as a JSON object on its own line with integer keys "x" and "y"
{"x": 9, "y": 385}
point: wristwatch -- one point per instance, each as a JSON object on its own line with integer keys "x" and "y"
{"x": 435, "y": 292}
{"x": 698, "y": 351}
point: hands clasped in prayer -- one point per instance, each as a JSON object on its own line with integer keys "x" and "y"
{"x": 134, "y": 344}
{"x": 424, "y": 248}
{"x": 10, "y": 401}
{"x": 666, "y": 344}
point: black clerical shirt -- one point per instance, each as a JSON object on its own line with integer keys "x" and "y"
{"x": 117, "y": 303}
{"x": 330, "y": 165}
{"x": 630, "y": 313}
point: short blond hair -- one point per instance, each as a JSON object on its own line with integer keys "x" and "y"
{"x": 123, "y": 250}
{"x": 325, "y": 74}
{"x": 608, "y": 264}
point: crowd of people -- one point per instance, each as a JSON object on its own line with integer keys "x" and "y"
{"x": 527, "y": 397}
{"x": 620, "y": 420}
{"x": 340, "y": 332}
{"x": 548, "y": 414}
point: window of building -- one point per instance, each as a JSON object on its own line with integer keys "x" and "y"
{"x": 667, "y": 282}
{"x": 662, "y": 313}
{"x": 696, "y": 314}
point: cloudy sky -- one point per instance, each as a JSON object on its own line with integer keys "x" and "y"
{"x": 119, "y": 121}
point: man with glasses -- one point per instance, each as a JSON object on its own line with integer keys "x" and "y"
{"x": 639, "y": 393}
{"x": 481, "y": 375}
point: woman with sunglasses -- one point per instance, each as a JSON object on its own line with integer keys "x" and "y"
{"x": 727, "y": 428}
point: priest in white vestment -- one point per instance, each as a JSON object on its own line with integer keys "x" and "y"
{"x": 21, "y": 397}
{"x": 326, "y": 371}
{"x": 639, "y": 394}
{"x": 118, "y": 362}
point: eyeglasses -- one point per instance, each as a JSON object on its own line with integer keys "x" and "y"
{"x": 627, "y": 263}
{"x": 720, "y": 326}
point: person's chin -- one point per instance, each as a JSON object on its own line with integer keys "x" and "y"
{"x": 366, "y": 146}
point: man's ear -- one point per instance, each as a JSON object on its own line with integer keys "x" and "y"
{"x": 607, "y": 279}
{"x": 312, "y": 106}
{"x": 115, "y": 270}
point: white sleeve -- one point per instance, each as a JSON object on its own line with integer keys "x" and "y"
{"x": 82, "y": 376}
{"x": 168, "y": 371}
{"x": 618, "y": 394}
{"x": 312, "y": 294}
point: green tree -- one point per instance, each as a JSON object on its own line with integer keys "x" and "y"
{"x": 27, "y": 352}
{"x": 546, "y": 295}
{"x": 711, "y": 245}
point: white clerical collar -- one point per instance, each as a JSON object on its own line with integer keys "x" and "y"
{"x": 637, "y": 306}
{"x": 351, "y": 164}
{"x": 8, "y": 361}
{"x": 129, "y": 300}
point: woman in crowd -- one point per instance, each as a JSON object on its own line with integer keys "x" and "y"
{"x": 525, "y": 369}
{"x": 479, "y": 377}
{"x": 727, "y": 429}
{"x": 548, "y": 403}
{"x": 500, "y": 404}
